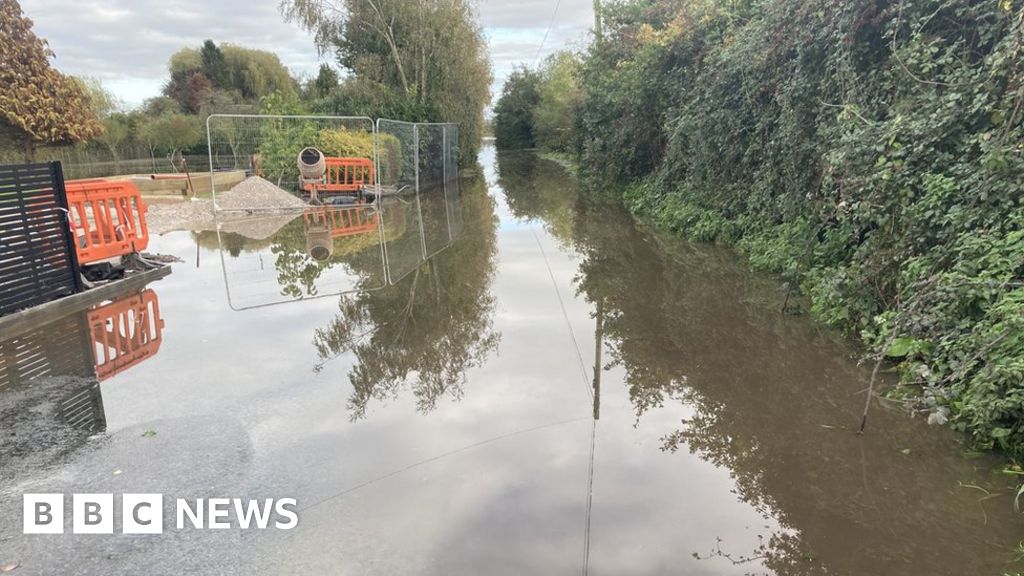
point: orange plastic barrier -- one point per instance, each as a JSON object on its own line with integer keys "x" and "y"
{"x": 343, "y": 222}
{"x": 344, "y": 175}
{"x": 108, "y": 218}
{"x": 125, "y": 332}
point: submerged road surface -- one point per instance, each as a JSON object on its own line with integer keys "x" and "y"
{"x": 503, "y": 376}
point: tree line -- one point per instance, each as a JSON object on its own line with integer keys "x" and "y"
{"x": 870, "y": 152}
{"x": 426, "y": 63}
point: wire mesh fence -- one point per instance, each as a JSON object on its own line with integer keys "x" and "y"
{"x": 405, "y": 158}
{"x": 383, "y": 202}
{"x": 267, "y": 149}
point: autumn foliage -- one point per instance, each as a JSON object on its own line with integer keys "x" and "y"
{"x": 38, "y": 104}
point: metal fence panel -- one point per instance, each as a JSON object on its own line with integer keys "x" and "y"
{"x": 37, "y": 257}
{"x": 268, "y": 146}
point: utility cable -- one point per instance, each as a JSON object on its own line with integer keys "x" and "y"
{"x": 551, "y": 24}
{"x": 565, "y": 315}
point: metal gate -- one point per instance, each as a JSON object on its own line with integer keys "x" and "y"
{"x": 37, "y": 257}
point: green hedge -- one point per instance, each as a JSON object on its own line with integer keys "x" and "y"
{"x": 870, "y": 151}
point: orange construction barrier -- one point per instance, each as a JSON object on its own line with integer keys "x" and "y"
{"x": 108, "y": 218}
{"x": 125, "y": 332}
{"x": 344, "y": 175}
{"x": 343, "y": 222}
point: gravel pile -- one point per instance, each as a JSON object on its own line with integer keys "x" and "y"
{"x": 253, "y": 193}
{"x": 188, "y": 215}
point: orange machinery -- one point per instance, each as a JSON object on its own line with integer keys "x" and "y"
{"x": 108, "y": 219}
{"x": 344, "y": 175}
{"x": 125, "y": 332}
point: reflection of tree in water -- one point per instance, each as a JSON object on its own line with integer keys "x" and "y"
{"x": 689, "y": 325}
{"x": 426, "y": 331}
{"x": 538, "y": 189}
{"x": 297, "y": 271}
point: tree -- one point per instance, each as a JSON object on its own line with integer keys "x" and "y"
{"x": 244, "y": 73}
{"x": 38, "y": 104}
{"x": 514, "y": 113}
{"x": 190, "y": 91}
{"x": 117, "y": 130}
{"x": 326, "y": 81}
{"x": 431, "y": 53}
{"x": 214, "y": 65}
{"x": 172, "y": 132}
{"x": 102, "y": 101}
{"x": 159, "y": 106}
{"x": 254, "y": 74}
{"x": 560, "y": 101}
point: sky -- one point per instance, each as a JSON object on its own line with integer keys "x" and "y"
{"x": 126, "y": 44}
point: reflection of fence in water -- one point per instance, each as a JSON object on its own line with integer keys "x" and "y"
{"x": 328, "y": 250}
{"x": 64, "y": 361}
{"x": 318, "y": 252}
{"x": 417, "y": 215}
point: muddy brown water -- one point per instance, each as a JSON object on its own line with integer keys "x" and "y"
{"x": 516, "y": 378}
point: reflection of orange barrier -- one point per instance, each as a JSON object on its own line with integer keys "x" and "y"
{"x": 125, "y": 332}
{"x": 343, "y": 222}
{"x": 108, "y": 218}
{"x": 344, "y": 175}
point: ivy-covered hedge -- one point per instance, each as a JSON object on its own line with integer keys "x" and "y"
{"x": 870, "y": 151}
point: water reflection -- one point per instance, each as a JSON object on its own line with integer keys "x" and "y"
{"x": 771, "y": 400}
{"x": 276, "y": 258}
{"x": 434, "y": 321}
{"x": 50, "y": 374}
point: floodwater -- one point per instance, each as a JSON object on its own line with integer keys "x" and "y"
{"x": 515, "y": 379}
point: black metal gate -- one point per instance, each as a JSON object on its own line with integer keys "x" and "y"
{"x": 37, "y": 256}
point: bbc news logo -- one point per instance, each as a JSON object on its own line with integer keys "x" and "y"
{"x": 144, "y": 513}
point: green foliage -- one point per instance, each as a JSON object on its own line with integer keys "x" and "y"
{"x": 542, "y": 108}
{"x": 247, "y": 74}
{"x": 281, "y": 140}
{"x": 359, "y": 144}
{"x": 561, "y": 96}
{"x": 422, "y": 61}
{"x": 871, "y": 153}
{"x": 514, "y": 112}
{"x": 326, "y": 81}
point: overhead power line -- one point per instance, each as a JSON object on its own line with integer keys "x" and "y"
{"x": 551, "y": 24}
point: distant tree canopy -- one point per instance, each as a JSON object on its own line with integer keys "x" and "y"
{"x": 542, "y": 108}
{"x": 243, "y": 74}
{"x": 514, "y": 113}
{"x": 326, "y": 81}
{"x": 38, "y": 105}
{"x": 422, "y": 60}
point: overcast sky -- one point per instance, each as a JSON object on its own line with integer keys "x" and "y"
{"x": 126, "y": 43}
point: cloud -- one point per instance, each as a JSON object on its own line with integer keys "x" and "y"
{"x": 516, "y": 30}
{"x": 126, "y": 43}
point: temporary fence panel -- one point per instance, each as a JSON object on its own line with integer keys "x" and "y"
{"x": 108, "y": 219}
{"x": 268, "y": 147}
{"x": 37, "y": 260}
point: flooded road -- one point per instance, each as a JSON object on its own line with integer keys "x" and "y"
{"x": 515, "y": 379}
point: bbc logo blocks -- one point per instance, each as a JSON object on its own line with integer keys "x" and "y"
{"x": 93, "y": 513}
